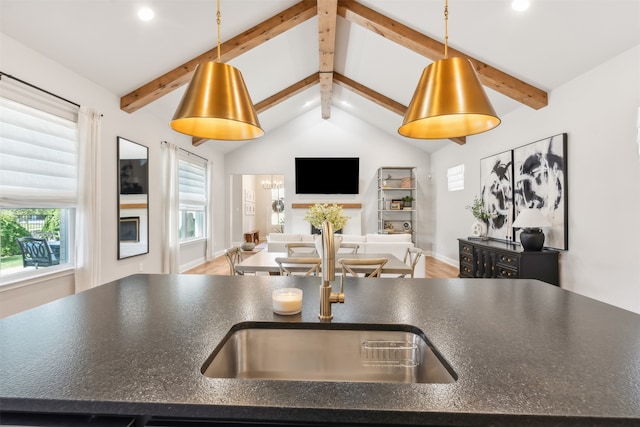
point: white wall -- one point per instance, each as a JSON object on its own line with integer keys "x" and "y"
{"x": 598, "y": 111}
{"x": 141, "y": 127}
{"x": 340, "y": 136}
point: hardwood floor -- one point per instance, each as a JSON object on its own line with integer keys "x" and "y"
{"x": 435, "y": 269}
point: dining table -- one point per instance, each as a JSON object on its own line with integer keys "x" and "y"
{"x": 265, "y": 261}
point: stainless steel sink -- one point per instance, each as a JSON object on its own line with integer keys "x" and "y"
{"x": 328, "y": 352}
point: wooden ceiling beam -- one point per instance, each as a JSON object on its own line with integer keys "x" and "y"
{"x": 230, "y": 49}
{"x": 434, "y": 50}
{"x": 277, "y": 98}
{"x": 327, "y": 21}
{"x": 378, "y": 98}
{"x": 370, "y": 94}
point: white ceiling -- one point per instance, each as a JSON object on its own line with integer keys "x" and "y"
{"x": 103, "y": 40}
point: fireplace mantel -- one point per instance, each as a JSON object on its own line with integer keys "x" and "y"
{"x": 343, "y": 205}
{"x": 299, "y": 225}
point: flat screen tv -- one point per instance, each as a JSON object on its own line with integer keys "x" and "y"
{"x": 327, "y": 175}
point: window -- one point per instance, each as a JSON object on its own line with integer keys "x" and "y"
{"x": 38, "y": 181}
{"x": 192, "y": 187}
{"x": 455, "y": 178}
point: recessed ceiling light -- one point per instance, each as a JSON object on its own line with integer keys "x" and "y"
{"x": 520, "y": 5}
{"x": 145, "y": 14}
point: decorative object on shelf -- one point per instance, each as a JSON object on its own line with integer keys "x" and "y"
{"x": 406, "y": 182}
{"x": 395, "y": 205}
{"x": 479, "y": 229}
{"x": 407, "y": 200}
{"x": 319, "y": 212}
{"x": 478, "y": 210}
{"x": 540, "y": 181}
{"x": 531, "y": 221}
{"x": 216, "y": 104}
{"x": 482, "y": 216}
{"x": 397, "y": 209}
{"x": 496, "y": 192}
{"x": 449, "y": 101}
{"x": 247, "y": 246}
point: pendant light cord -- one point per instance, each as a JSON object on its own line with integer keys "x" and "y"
{"x": 446, "y": 29}
{"x": 218, "y": 22}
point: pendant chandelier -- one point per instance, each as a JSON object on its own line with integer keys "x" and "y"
{"x": 216, "y": 104}
{"x": 449, "y": 101}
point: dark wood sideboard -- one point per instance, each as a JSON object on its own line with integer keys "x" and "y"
{"x": 499, "y": 259}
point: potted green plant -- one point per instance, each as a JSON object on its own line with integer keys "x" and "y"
{"x": 482, "y": 216}
{"x": 407, "y": 201}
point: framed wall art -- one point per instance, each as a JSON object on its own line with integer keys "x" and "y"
{"x": 496, "y": 189}
{"x": 540, "y": 181}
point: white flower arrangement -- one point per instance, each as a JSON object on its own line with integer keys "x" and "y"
{"x": 318, "y": 213}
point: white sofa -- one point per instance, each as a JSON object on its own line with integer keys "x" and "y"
{"x": 395, "y": 244}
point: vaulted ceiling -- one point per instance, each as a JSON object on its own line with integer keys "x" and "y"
{"x": 363, "y": 57}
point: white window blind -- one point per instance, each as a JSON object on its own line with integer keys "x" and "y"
{"x": 455, "y": 178}
{"x": 192, "y": 181}
{"x": 38, "y": 156}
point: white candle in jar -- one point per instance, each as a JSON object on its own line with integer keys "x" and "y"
{"x": 287, "y": 301}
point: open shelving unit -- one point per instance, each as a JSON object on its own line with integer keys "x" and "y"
{"x": 394, "y": 183}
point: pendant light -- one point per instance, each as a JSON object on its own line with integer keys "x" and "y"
{"x": 216, "y": 104}
{"x": 449, "y": 101}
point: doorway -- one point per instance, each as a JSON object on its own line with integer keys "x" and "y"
{"x": 257, "y": 203}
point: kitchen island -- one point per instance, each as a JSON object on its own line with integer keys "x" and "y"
{"x": 524, "y": 353}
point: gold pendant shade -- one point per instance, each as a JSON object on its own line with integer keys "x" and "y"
{"x": 216, "y": 105}
{"x": 449, "y": 102}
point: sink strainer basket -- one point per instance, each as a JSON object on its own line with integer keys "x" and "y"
{"x": 390, "y": 353}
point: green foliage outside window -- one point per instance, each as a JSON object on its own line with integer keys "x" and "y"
{"x": 10, "y": 220}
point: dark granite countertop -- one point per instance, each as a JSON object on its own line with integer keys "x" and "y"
{"x": 525, "y": 352}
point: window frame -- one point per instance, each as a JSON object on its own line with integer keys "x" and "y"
{"x": 44, "y": 105}
{"x": 184, "y": 208}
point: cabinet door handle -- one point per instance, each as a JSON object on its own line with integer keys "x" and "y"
{"x": 505, "y": 273}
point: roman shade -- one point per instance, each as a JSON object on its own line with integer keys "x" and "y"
{"x": 192, "y": 181}
{"x": 38, "y": 150}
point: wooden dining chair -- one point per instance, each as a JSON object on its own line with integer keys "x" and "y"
{"x": 350, "y": 265}
{"x": 233, "y": 257}
{"x": 297, "y": 266}
{"x": 301, "y": 249}
{"x": 348, "y": 248}
{"x": 411, "y": 258}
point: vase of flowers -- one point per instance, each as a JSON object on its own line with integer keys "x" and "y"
{"x": 318, "y": 213}
{"x": 482, "y": 216}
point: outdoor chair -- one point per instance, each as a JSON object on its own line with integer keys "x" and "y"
{"x": 36, "y": 252}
